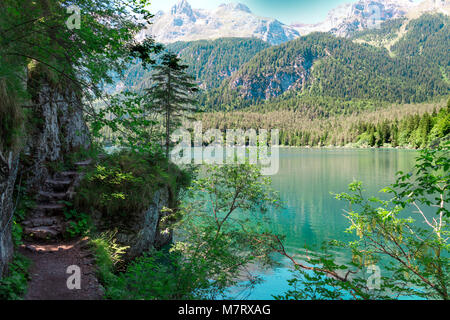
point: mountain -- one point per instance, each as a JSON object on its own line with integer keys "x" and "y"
{"x": 429, "y": 6}
{"x": 365, "y": 14}
{"x": 210, "y": 61}
{"x": 321, "y": 66}
{"x": 183, "y": 23}
{"x": 347, "y": 19}
{"x": 402, "y": 61}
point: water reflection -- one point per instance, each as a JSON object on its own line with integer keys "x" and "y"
{"x": 311, "y": 214}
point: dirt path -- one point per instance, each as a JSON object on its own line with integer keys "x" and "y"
{"x": 49, "y": 271}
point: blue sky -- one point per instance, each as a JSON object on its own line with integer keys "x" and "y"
{"x": 287, "y": 11}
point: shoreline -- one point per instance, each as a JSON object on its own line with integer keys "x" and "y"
{"x": 350, "y": 147}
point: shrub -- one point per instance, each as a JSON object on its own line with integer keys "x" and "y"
{"x": 126, "y": 182}
{"x": 158, "y": 276}
{"x": 108, "y": 255}
{"x": 78, "y": 223}
{"x": 14, "y": 286}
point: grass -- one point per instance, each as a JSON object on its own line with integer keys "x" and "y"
{"x": 124, "y": 183}
{"x": 108, "y": 255}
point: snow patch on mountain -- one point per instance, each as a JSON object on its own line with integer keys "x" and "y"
{"x": 364, "y": 14}
{"x": 183, "y": 23}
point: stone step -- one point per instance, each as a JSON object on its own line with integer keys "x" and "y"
{"x": 43, "y": 233}
{"x": 59, "y": 185}
{"x": 41, "y": 222}
{"x": 67, "y": 175}
{"x": 84, "y": 163}
{"x": 53, "y": 195}
{"x": 59, "y": 182}
{"x": 51, "y": 208}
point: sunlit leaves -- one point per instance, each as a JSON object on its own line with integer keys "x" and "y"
{"x": 223, "y": 225}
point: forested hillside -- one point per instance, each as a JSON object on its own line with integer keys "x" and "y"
{"x": 209, "y": 61}
{"x": 411, "y": 125}
{"x": 387, "y": 31}
{"x": 330, "y": 68}
{"x": 427, "y": 44}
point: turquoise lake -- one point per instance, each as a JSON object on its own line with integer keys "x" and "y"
{"x": 311, "y": 215}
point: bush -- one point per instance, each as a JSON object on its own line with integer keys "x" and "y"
{"x": 108, "y": 255}
{"x": 157, "y": 276}
{"x": 14, "y": 286}
{"x": 126, "y": 182}
{"x": 78, "y": 223}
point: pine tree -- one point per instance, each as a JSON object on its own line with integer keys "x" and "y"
{"x": 171, "y": 93}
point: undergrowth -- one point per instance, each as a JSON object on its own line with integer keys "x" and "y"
{"x": 14, "y": 285}
{"x": 126, "y": 182}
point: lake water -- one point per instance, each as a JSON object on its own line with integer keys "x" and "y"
{"x": 311, "y": 215}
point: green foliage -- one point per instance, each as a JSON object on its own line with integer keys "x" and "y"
{"x": 16, "y": 233}
{"x": 125, "y": 182}
{"x": 155, "y": 275}
{"x": 32, "y": 30}
{"x": 209, "y": 61}
{"x": 127, "y": 122}
{"x": 170, "y": 94}
{"x": 387, "y": 31}
{"x": 11, "y": 118}
{"x": 223, "y": 223}
{"x": 14, "y": 285}
{"x": 412, "y": 251}
{"x": 218, "y": 240}
{"x": 158, "y": 276}
{"x": 212, "y": 61}
{"x": 430, "y": 184}
{"x": 24, "y": 203}
{"x": 412, "y": 126}
{"x": 78, "y": 223}
{"x": 425, "y": 42}
{"x": 36, "y": 44}
{"x": 138, "y": 121}
{"x": 417, "y": 131}
{"x": 108, "y": 256}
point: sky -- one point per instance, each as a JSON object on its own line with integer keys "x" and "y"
{"x": 287, "y": 11}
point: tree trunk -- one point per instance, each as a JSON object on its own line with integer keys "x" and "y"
{"x": 168, "y": 111}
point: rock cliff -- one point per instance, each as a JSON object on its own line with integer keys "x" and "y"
{"x": 141, "y": 231}
{"x": 183, "y": 23}
{"x": 8, "y": 173}
{"x": 60, "y": 130}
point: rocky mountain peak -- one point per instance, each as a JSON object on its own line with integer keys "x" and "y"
{"x": 351, "y": 17}
{"x": 235, "y": 7}
{"x": 182, "y": 7}
{"x": 183, "y": 23}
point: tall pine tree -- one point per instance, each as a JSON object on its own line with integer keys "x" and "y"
{"x": 171, "y": 93}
